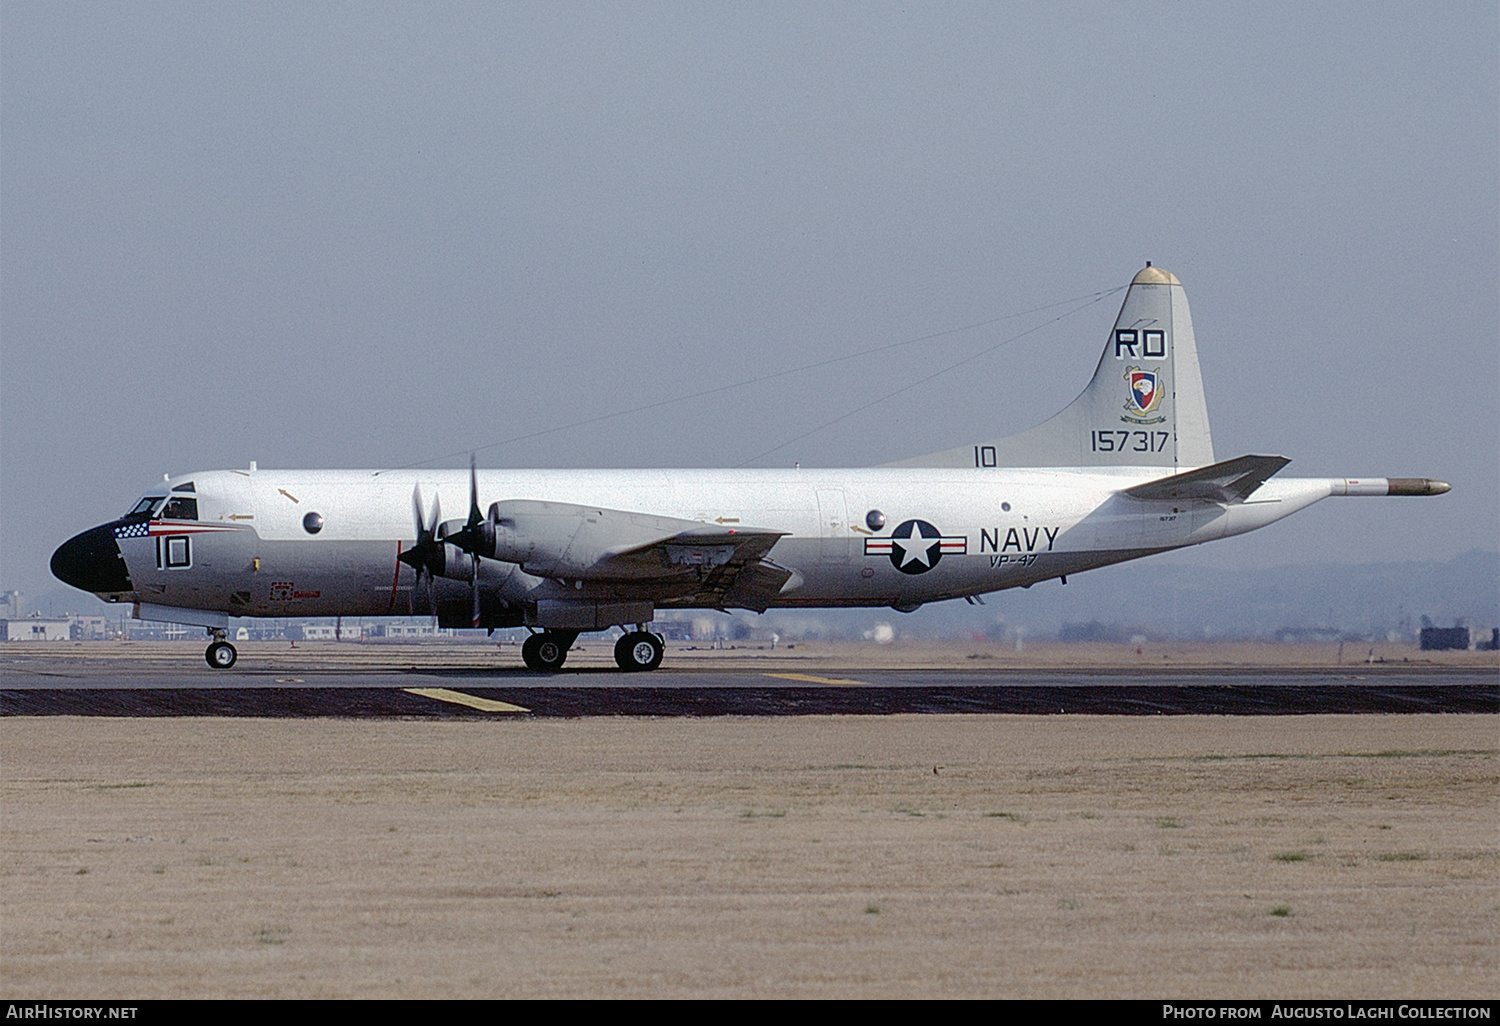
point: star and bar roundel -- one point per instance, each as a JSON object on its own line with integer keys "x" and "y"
{"x": 915, "y": 546}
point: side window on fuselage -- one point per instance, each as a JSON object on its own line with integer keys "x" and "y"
{"x": 179, "y": 507}
{"x": 174, "y": 552}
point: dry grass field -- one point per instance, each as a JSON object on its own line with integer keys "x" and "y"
{"x": 940, "y": 856}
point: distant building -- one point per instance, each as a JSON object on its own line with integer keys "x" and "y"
{"x": 332, "y": 632}
{"x": 38, "y": 628}
{"x": 1438, "y": 639}
{"x": 88, "y": 628}
{"x": 416, "y": 630}
{"x": 674, "y": 630}
{"x": 155, "y": 630}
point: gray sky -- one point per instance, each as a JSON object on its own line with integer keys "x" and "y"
{"x": 368, "y": 235}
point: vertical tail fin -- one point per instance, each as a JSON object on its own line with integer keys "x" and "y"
{"x": 1143, "y": 408}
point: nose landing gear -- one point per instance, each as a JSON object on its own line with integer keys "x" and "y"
{"x": 221, "y": 654}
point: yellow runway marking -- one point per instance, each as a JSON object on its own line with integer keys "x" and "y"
{"x": 459, "y": 698}
{"x": 817, "y": 680}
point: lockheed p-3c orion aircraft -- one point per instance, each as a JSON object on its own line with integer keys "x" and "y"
{"x": 1126, "y": 470}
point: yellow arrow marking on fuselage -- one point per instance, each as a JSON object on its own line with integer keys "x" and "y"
{"x": 459, "y": 698}
{"x": 817, "y": 680}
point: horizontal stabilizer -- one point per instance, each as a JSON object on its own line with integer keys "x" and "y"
{"x": 1231, "y": 481}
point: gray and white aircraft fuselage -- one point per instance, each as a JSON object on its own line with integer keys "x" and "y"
{"x": 1124, "y": 471}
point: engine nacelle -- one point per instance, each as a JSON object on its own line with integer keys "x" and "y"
{"x": 448, "y": 560}
{"x": 555, "y": 539}
{"x": 565, "y": 541}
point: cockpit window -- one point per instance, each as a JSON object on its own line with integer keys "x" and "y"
{"x": 146, "y": 505}
{"x": 186, "y": 486}
{"x": 179, "y": 507}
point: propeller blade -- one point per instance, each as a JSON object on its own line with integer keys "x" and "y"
{"x": 474, "y": 620}
{"x": 470, "y": 542}
{"x": 425, "y": 557}
{"x": 474, "y": 515}
{"x": 429, "y": 558}
{"x": 413, "y": 557}
{"x": 470, "y": 538}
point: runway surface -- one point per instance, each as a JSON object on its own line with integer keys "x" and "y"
{"x": 53, "y": 687}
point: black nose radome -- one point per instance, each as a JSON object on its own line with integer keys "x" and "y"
{"x": 91, "y": 561}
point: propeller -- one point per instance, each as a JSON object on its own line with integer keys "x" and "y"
{"x": 476, "y": 536}
{"x": 426, "y": 556}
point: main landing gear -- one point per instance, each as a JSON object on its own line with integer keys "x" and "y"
{"x": 548, "y": 650}
{"x": 638, "y": 650}
{"x": 221, "y": 654}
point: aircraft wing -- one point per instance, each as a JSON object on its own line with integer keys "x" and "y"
{"x": 723, "y": 568}
{"x": 1231, "y": 481}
